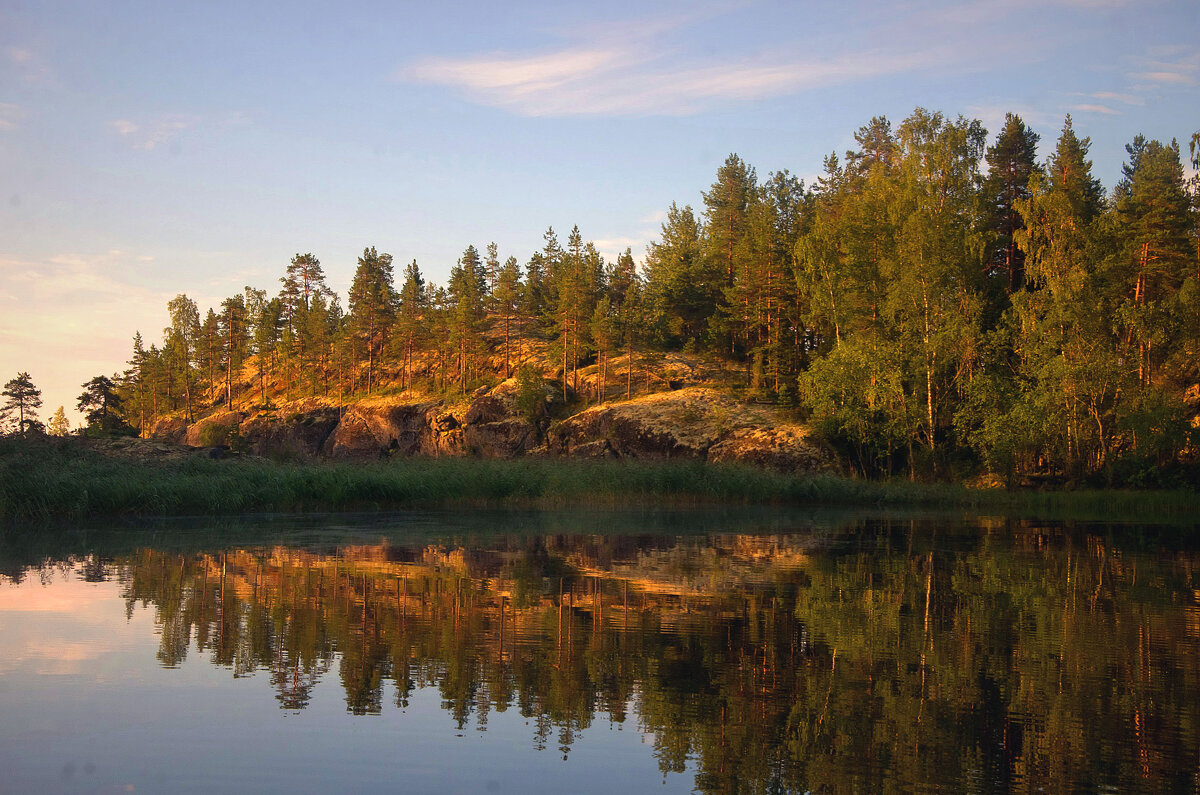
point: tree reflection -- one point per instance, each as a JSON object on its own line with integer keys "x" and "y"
{"x": 1002, "y": 658}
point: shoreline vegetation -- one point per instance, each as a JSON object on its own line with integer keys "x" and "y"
{"x": 930, "y": 306}
{"x": 50, "y": 480}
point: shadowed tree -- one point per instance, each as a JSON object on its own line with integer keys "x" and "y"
{"x": 1012, "y": 160}
{"x": 100, "y": 404}
{"x": 24, "y": 399}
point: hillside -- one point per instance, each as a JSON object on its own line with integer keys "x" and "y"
{"x": 670, "y": 407}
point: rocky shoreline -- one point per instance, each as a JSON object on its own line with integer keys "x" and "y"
{"x": 693, "y": 423}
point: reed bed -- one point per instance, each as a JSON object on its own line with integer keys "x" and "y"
{"x": 50, "y": 480}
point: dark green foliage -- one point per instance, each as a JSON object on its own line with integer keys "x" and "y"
{"x": 931, "y": 317}
{"x": 372, "y": 307}
{"x": 102, "y": 407}
{"x": 24, "y": 399}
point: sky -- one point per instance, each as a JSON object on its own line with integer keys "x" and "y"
{"x": 149, "y": 149}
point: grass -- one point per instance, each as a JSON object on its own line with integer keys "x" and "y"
{"x": 48, "y": 480}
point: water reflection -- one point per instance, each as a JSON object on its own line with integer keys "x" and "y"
{"x": 900, "y": 656}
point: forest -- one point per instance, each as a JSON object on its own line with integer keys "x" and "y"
{"x": 935, "y": 306}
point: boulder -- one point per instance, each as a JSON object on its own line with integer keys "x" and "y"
{"x": 505, "y": 438}
{"x": 213, "y": 430}
{"x": 300, "y": 435}
{"x": 373, "y": 429}
{"x": 678, "y": 424}
{"x": 172, "y": 430}
{"x": 786, "y": 448}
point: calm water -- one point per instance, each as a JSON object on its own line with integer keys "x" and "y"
{"x": 626, "y": 653}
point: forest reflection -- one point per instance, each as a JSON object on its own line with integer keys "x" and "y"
{"x": 1001, "y": 657}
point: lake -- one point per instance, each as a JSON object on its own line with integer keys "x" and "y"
{"x": 635, "y": 651}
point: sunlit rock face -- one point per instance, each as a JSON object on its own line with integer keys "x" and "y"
{"x": 681, "y": 424}
{"x": 379, "y": 428}
{"x": 785, "y": 448}
{"x": 694, "y": 423}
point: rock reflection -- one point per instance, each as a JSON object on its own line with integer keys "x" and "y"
{"x": 892, "y": 659}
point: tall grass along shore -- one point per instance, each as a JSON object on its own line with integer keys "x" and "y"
{"x": 49, "y": 480}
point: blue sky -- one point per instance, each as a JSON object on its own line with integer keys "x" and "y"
{"x": 153, "y": 148}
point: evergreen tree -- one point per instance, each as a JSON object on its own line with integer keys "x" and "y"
{"x": 138, "y": 383}
{"x": 210, "y": 338}
{"x": 507, "y": 294}
{"x": 411, "y": 317}
{"x": 684, "y": 287}
{"x": 263, "y": 318}
{"x": 492, "y": 266}
{"x": 25, "y": 399}
{"x": 372, "y": 307}
{"x": 234, "y": 339}
{"x": 101, "y": 406}
{"x": 1154, "y": 216}
{"x": 1012, "y": 160}
{"x": 467, "y": 288}
{"x": 303, "y": 284}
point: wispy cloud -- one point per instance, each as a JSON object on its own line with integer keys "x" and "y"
{"x": 632, "y": 82}
{"x": 1169, "y": 66}
{"x": 627, "y": 69}
{"x": 149, "y": 134}
{"x": 10, "y": 115}
{"x": 1179, "y": 78}
{"x": 613, "y": 247}
{"x": 1089, "y": 107}
{"x": 27, "y": 64}
{"x": 124, "y": 126}
{"x": 1113, "y": 96}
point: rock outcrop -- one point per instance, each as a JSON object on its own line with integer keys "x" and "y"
{"x": 679, "y": 424}
{"x": 298, "y": 435}
{"x": 697, "y": 423}
{"x": 382, "y": 427}
{"x": 171, "y": 430}
{"x": 787, "y": 448}
{"x": 215, "y": 429}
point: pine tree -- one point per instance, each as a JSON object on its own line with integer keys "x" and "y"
{"x": 233, "y": 333}
{"x": 101, "y": 405}
{"x": 23, "y": 398}
{"x": 303, "y": 284}
{"x": 467, "y": 288}
{"x": 684, "y": 287}
{"x": 492, "y": 266}
{"x": 411, "y": 318}
{"x": 372, "y": 306}
{"x": 1012, "y": 160}
{"x": 210, "y": 337}
{"x": 1154, "y": 214}
{"x": 507, "y": 294}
